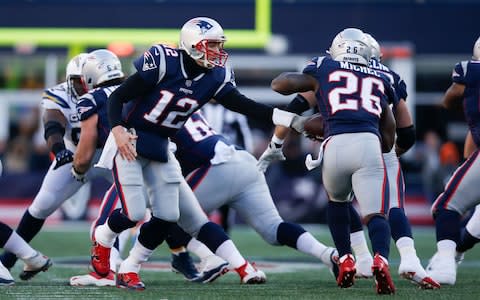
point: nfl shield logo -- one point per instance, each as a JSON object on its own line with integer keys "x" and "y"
{"x": 188, "y": 83}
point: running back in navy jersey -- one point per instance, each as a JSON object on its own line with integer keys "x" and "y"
{"x": 174, "y": 97}
{"x": 468, "y": 73}
{"x": 196, "y": 142}
{"x": 395, "y": 79}
{"x": 95, "y": 102}
{"x": 349, "y": 96}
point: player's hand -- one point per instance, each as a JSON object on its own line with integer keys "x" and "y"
{"x": 78, "y": 176}
{"x": 125, "y": 141}
{"x": 271, "y": 154}
{"x": 298, "y": 123}
{"x": 62, "y": 158}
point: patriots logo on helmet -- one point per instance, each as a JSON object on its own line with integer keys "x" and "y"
{"x": 204, "y": 25}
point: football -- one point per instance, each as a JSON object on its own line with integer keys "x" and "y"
{"x": 314, "y": 126}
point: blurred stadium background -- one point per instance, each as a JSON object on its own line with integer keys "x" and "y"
{"x": 421, "y": 39}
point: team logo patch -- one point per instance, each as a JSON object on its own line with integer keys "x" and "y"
{"x": 148, "y": 61}
{"x": 204, "y": 25}
{"x": 83, "y": 109}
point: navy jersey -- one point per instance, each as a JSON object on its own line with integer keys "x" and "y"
{"x": 349, "y": 96}
{"x": 173, "y": 97}
{"x": 95, "y": 102}
{"x": 467, "y": 73}
{"x": 196, "y": 142}
{"x": 395, "y": 79}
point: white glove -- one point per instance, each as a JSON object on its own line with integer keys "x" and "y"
{"x": 271, "y": 154}
{"x": 78, "y": 176}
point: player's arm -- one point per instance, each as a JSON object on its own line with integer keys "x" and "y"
{"x": 132, "y": 88}
{"x": 470, "y": 146}
{"x": 405, "y": 129}
{"x": 453, "y": 98}
{"x": 293, "y": 82}
{"x": 87, "y": 145}
{"x": 54, "y": 123}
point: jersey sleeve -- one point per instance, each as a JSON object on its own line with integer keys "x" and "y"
{"x": 400, "y": 86}
{"x": 228, "y": 84}
{"x": 391, "y": 93}
{"x": 152, "y": 64}
{"x": 51, "y": 100}
{"x": 458, "y": 73}
{"x": 86, "y": 107}
{"x": 313, "y": 65}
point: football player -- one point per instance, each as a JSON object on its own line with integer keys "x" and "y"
{"x": 351, "y": 98}
{"x": 169, "y": 85}
{"x": 62, "y": 129}
{"x": 460, "y": 194}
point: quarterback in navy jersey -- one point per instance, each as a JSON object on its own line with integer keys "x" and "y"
{"x": 352, "y": 99}
{"x": 460, "y": 193}
{"x": 169, "y": 86}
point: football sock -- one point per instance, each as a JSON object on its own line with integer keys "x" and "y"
{"x": 29, "y": 226}
{"x": 212, "y": 235}
{"x": 307, "y": 244}
{"x": 5, "y": 233}
{"x": 379, "y": 233}
{"x": 153, "y": 232}
{"x": 446, "y": 247}
{"x": 288, "y": 234}
{"x": 447, "y": 223}
{"x": 105, "y": 236}
{"x": 359, "y": 244}
{"x": 177, "y": 238}
{"x": 338, "y": 218}
{"x": 115, "y": 259}
{"x": 467, "y": 241}
{"x": 355, "y": 219}
{"x": 406, "y": 248}
{"x": 138, "y": 255}
{"x": 399, "y": 224}
{"x": 119, "y": 222}
{"x": 19, "y": 247}
{"x": 229, "y": 252}
{"x": 199, "y": 249}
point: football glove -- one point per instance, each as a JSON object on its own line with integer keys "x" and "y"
{"x": 298, "y": 123}
{"x": 272, "y": 153}
{"x": 78, "y": 176}
{"x": 62, "y": 158}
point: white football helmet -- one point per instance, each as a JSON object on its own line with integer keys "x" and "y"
{"x": 374, "y": 47}
{"x": 76, "y": 84}
{"x": 195, "y": 37}
{"x": 351, "y": 45}
{"x": 476, "y": 50}
{"x": 101, "y": 66}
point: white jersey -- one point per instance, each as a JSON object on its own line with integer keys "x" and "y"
{"x": 59, "y": 98}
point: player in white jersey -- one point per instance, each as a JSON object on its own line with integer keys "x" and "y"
{"x": 62, "y": 129}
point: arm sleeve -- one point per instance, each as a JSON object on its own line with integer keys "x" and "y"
{"x": 130, "y": 89}
{"x": 86, "y": 107}
{"x": 237, "y": 102}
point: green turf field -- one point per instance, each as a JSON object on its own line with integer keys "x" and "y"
{"x": 67, "y": 244}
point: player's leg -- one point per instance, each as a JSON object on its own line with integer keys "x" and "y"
{"x": 35, "y": 262}
{"x": 469, "y": 236}
{"x": 109, "y": 203}
{"x": 253, "y": 202}
{"x": 162, "y": 186}
{"x": 129, "y": 184}
{"x": 358, "y": 242}
{"x": 410, "y": 266}
{"x": 370, "y": 186}
{"x": 194, "y": 221}
{"x": 57, "y": 186}
{"x": 337, "y": 169}
{"x": 459, "y": 196}
{"x": 177, "y": 240}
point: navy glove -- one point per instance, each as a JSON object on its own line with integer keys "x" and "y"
{"x": 63, "y": 157}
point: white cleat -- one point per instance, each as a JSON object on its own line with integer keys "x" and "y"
{"x": 249, "y": 274}
{"x": 412, "y": 270}
{"x": 34, "y": 265}
{"x": 6, "y": 278}
{"x": 211, "y": 268}
{"x": 443, "y": 268}
{"x": 363, "y": 265}
{"x": 93, "y": 279}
